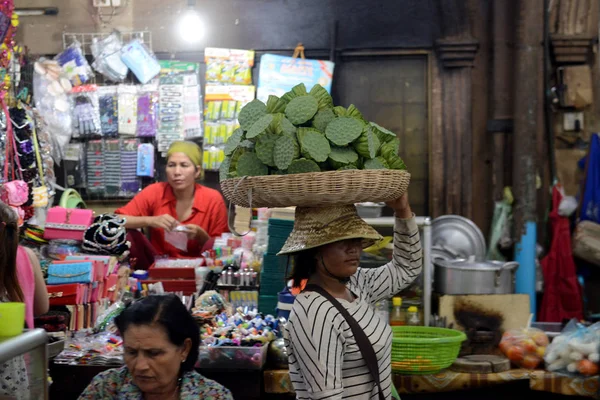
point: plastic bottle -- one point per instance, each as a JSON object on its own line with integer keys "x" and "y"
{"x": 382, "y": 309}
{"x": 397, "y": 317}
{"x": 412, "y": 317}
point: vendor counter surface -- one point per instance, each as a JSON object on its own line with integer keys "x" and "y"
{"x": 536, "y": 384}
{"x": 69, "y": 381}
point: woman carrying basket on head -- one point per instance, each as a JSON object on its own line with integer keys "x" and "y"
{"x": 337, "y": 345}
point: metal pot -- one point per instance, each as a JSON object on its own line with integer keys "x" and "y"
{"x": 474, "y": 277}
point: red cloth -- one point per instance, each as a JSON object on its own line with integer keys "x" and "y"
{"x": 208, "y": 212}
{"x": 562, "y": 293}
{"x": 142, "y": 253}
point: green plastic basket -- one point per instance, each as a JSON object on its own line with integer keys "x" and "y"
{"x": 424, "y": 350}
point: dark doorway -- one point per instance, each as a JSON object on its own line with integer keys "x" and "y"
{"x": 393, "y": 91}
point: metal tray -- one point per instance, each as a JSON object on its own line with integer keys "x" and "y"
{"x": 457, "y": 237}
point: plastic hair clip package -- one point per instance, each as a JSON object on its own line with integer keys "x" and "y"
{"x": 109, "y": 114}
{"x": 75, "y": 65}
{"x": 107, "y": 55}
{"x": 128, "y": 104}
{"x": 86, "y": 110}
{"x": 140, "y": 60}
{"x": 147, "y": 111}
{"x": 145, "y": 160}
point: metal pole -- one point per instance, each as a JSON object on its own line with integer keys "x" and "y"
{"x": 529, "y": 37}
{"x": 427, "y": 271}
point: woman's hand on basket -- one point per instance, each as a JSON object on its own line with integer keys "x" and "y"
{"x": 401, "y": 207}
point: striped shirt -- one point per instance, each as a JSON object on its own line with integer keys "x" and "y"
{"x": 324, "y": 359}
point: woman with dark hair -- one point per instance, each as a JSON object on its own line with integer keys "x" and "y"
{"x": 161, "y": 340}
{"x": 22, "y": 281}
{"x": 338, "y": 347}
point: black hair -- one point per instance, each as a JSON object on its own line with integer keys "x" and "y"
{"x": 304, "y": 264}
{"x": 171, "y": 314}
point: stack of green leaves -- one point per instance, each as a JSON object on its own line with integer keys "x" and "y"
{"x": 304, "y": 132}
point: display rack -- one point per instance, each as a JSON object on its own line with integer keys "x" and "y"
{"x": 424, "y": 224}
{"x": 87, "y": 38}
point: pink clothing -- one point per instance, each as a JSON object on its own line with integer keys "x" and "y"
{"x": 27, "y": 283}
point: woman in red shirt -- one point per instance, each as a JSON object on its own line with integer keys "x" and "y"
{"x": 164, "y": 206}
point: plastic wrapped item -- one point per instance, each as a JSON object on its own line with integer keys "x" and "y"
{"x": 86, "y": 110}
{"x": 145, "y": 160}
{"x": 107, "y": 54}
{"x": 178, "y": 240}
{"x": 51, "y": 101}
{"x": 74, "y": 165}
{"x": 147, "y": 110}
{"x": 60, "y": 249}
{"x": 130, "y": 183}
{"x": 140, "y": 60}
{"x": 104, "y": 320}
{"x": 576, "y": 351}
{"x": 75, "y": 65}
{"x": 128, "y": 105}
{"x": 109, "y": 115}
{"x": 101, "y": 348}
{"x": 95, "y": 168}
{"x": 525, "y": 348}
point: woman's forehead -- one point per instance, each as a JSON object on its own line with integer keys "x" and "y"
{"x": 179, "y": 158}
{"x": 145, "y": 334}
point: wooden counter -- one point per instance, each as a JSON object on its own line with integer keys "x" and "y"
{"x": 418, "y": 386}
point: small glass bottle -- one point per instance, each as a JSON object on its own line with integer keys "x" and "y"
{"x": 397, "y": 318}
{"x": 412, "y": 317}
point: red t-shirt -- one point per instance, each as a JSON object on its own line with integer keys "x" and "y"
{"x": 208, "y": 212}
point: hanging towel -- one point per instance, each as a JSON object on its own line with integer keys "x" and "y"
{"x": 562, "y": 293}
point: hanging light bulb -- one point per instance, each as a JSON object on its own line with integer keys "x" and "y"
{"x": 191, "y": 27}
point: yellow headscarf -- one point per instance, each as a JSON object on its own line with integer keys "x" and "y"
{"x": 190, "y": 149}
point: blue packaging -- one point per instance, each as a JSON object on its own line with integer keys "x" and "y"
{"x": 140, "y": 61}
{"x": 145, "y": 160}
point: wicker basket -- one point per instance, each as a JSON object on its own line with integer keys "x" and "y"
{"x": 317, "y": 189}
{"x": 424, "y": 350}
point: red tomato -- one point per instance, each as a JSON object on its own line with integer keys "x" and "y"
{"x": 515, "y": 354}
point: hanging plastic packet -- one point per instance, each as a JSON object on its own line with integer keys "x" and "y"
{"x": 228, "y": 72}
{"x": 109, "y": 115}
{"x": 86, "y": 110}
{"x": 140, "y": 60}
{"x": 53, "y": 105}
{"x": 147, "y": 107}
{"x": 107, "y": 54}
{"x": 145, "y": 160}
{"x": 213, "y": 70}
{"x": 213, "y": 112}
{"x": 128, "y": 104}
{"x": 75, "y": 65}
{"x": 243, "y": 74}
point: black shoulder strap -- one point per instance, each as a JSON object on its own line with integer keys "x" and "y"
{"x": 362, "y": 341}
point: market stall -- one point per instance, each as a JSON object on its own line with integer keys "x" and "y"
{"x": 89, "y": 128}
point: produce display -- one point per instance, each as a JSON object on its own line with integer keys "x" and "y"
{"x": 575, "y": 351}
{"x": 525, "y": 348}
{"x": 304, "y": 132}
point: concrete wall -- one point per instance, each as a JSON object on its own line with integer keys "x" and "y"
{"x": 43, "y": 35}
{"x": 246, "y": 24}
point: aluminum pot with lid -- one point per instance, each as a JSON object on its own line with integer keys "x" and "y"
{"x": 474, "y": 277}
